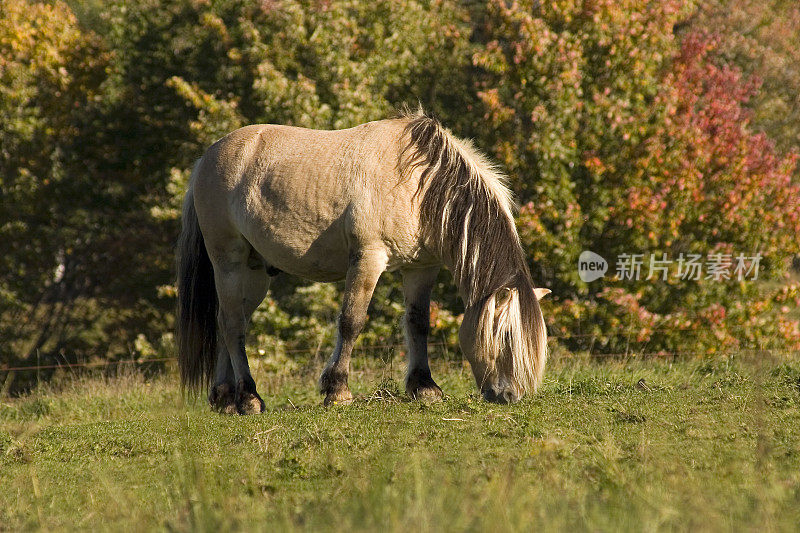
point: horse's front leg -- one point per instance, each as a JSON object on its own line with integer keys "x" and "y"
{"x": 417, "y": 285}
{"x": 366, "y": 266}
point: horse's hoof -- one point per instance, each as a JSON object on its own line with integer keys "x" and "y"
{"x": 222, "y": 398}
{"x": 421, "y": 387}
{"x": 427, "y": 394}
{"x": 248, "y": 402}
{"x": 333, "y": 384}
{"x": 340, "y": 397}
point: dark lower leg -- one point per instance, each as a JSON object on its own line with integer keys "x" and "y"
{"x": 222, "y": 395}
{"x": 417, "y": 286}
{"x": 333, "y": 381}
{"x": 365, "y": 269}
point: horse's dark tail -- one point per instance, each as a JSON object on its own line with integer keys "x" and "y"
{"x": 197, "y": 303}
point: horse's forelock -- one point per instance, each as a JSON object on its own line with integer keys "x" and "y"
{"x": 529, "y": 345}
{"x": 512, "y": 337}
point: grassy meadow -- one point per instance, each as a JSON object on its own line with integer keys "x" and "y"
{"x": 633, "y": 445}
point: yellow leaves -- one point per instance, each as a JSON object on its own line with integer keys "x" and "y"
{"x": 188, "y": 91}
{"x": 213, "y": 22}
{"x": 27, "y": 27}
{"x": 167, "y": 291}
{"x": 497, "y": 111}
{"x": 491, "y": 58}
{"x": 234, "y": 54}
{"x": 41, "y": 46}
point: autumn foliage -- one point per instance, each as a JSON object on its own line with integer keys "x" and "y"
{"x": 629, "y": 127}
{"x": 623, "y": 139}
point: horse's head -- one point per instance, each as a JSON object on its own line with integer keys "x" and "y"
{"x": 504, "y": 338}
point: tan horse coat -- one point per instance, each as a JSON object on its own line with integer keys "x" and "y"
{"x": 350, "y": 197}
{"x": 400, "y": 194}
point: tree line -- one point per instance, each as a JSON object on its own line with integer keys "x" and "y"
{"x": 625, "y": 128}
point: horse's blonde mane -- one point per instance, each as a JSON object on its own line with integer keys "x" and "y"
{"x": 466, "y": 216}
{"x": 466, "y": 210}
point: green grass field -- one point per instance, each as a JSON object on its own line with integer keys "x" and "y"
{"x": 713, "y": 445}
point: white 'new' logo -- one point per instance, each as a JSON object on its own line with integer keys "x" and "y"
{"x": 591, "y": 266}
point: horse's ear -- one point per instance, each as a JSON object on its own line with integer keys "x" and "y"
{"x": 541, "y": 293}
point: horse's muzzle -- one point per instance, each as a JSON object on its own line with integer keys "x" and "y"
{"x": 500, "y": 396}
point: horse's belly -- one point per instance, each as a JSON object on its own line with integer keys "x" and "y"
{"x": 301, "y": 248}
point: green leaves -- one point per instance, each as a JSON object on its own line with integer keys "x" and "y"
{"x": 618, "y": 137}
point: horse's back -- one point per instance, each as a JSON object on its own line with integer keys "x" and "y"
{"x": 306, "y": 199}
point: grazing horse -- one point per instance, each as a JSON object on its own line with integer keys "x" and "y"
{"x": 399, "y": 194}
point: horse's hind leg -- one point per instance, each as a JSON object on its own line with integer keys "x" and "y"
{"x": 240, "y": 289}
{"x": 223, "y": 395}
{"x": 417, "y": 285}
{"x": 365, "y": 268}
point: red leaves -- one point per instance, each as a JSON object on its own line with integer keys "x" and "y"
{"x": 623, "y": 140}
{"x": 748, "y": 185}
